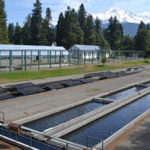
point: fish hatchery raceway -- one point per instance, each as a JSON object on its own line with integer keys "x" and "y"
{"x": 22, "y": 107}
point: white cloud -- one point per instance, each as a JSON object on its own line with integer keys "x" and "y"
{"x": 145, "y": 13}
{"x": 133, "y": 5}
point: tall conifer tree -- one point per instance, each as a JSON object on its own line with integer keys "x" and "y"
{"x": 36, "y": 23}
{"x": 72, "y": 30}
{"x": 46, "y": 35}
{"x": 82, "y": 16}
{"x": 142, "y": 39}
{"x": 128, "y": 43}
{"x": 100, "y": 40}
{"x": 60, "y": 29}
{"x": 48, "y": 16}
{"x": 3, "y": 26}
{"x": 114, "y": 33}
{"x": 26, "y": 31}
{"x": 18, "y": 35}
{"x": 11, "y": 33}
{"x": 50, "y": 32}
{"x": 142, "y": 26}
{"x": 89, "y": 35}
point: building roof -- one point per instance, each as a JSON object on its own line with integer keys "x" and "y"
{"x": 87, "y": 47}
{"x": 29, "y": 47}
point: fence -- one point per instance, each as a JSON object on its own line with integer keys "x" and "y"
{"x": 12, "y": 132}
{"x": 33, "y": 143}
{"x": 28, "y": 141}
{"x": 31, "y": 59}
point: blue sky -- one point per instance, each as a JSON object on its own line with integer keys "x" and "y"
{"x": 17, "y": 10}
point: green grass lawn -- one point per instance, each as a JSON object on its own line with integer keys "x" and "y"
{"x": 7, "y": 77}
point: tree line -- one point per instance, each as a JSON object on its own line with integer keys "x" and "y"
{"x": 73, "y": 27}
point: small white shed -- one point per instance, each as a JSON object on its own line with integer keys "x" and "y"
{"x": 84, "y": 51}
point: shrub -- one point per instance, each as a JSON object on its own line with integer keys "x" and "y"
{"x": 104, "y": 60}
{"x": 146, "y": 61}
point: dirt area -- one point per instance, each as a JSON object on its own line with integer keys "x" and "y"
{"x": 135, "y": 138}
{"x": 5, "y": 146}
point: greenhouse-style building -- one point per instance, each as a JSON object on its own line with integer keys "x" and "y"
{"x": 19, "y": 56}
{"x": 85, "y": 51}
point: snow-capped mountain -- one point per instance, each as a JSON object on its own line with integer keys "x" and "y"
{"x": 123, "y": 16}
{"x": 145, "y": 14}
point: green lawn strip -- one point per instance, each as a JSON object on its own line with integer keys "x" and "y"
{"x": 41, "y": 74}
{"x": 138, "y": 62}
{"x": 7, "y": 77}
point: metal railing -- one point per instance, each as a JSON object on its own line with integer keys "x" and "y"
{"x": 28, "y": 140}
{"x": 35, "y": 143}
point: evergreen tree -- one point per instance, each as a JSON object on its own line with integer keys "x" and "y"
{"x": 76, "y": 29}
{"x": 98, "y": 33}
{"x": 60, "y": 29}
{"x": 36, "y": 24}
{"x": 50, "y": 31}
{"x": 45, "y": 28}
{"x": 72, "y": 30}
{"x": 53, "y": 35}
{"x": 48, "y": 17}
{"x": 11, "y": 32}
{"x": 100, "y": 40}
{"x": 3, "y": 26}
{"x": 114, "y": 33}
{"x": 148, "y": 26}
{"x": 26, "y": 32}
{"x": 82, "y": 16}
{"x": 147, "y": 43}
{"x": 47, "y": 31}
{"x": 18, "y": 35}
{"x": 128, "y": 43}
{"x": 142, "y": 26}
{"x": 89, "y": 37}
{"x": 142, "y": 39}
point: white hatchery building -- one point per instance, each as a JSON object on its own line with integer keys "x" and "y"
{"x": 85, "y": 51}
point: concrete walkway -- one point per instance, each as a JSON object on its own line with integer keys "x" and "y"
{"x": 136, "y": 138}
{"x": 19, "y": 108}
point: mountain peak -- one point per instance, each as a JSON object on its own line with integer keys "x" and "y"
{"x": 114, "y": 10}
{"x": 123, "y": 16}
